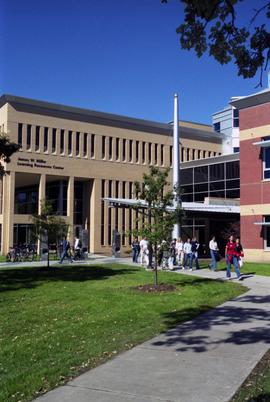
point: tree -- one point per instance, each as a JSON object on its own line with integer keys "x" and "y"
{"x": 7, "y": 148}
{"x": 212, "y": 25}
{"x": 47, "y": 226}
{"x": 155, "y": 213}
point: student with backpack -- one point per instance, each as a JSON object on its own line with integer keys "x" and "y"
{"x": 66, "y": 250}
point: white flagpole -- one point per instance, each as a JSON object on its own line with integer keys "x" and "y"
{"x": 176, "y": 164}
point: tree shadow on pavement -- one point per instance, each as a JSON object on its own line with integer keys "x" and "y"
{"x": 198, "y": 335}
{"x": 30, "y": 277}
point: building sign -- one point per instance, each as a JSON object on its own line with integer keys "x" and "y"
{"x": 37, "y": 163}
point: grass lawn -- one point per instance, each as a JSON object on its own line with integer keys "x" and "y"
{"x": 256, "y": 388}
{"x": 57, "y": 323}
{"x": 252, "y": 268}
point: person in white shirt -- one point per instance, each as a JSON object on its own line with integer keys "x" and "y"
{"x": 144, "y": 252}
{"x": 187, "y": 253}
{"x": 179, "y": 246}
{"x": 213, "y": 246}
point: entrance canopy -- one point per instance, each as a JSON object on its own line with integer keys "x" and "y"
{"x": 187, "y": 206}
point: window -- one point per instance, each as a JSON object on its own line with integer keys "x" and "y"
{"x": 217, "y": 172}
{"x": 267, "y": 233}
{"x": 232, "y": 170}
{"x": 77, "y": 143}
{"x": 149, "y": 153}
{"x": 130, "y": 150}
{"x": 20, "y": 127}
{"x": 266, "y": 163}
{"x": 204, "y": 154}
{"x": 182, "y": 154}
{"x": 124, "y": 153}
{"x": 236, "y": 149}
{"x": 193, "y": 154}
{"x": 70, "y": 142}
{"x": 201, "y": 174}
{"x": 162, "y": 155}
{"x": 110, "y": 147}
{"x": 54, "y": 140}
{"x": 216, "y": 127}
{"x": 28, "y": 136}
{"x": 37, "y": 137}
{"x": 62, "y": 139}
{"x": 46, "y": 133}
{"x": 156, "y": 154}
{"x": 103, "y": 146}
{"x": 171, "y": 150}
{"x": 85, "y": 137}
{"x": 235, "y": 118}
{"x": 93, "y": 139}
{"x": 187, "y": 176}
{"x": 143, "y": 152}
{"x": 117, "y": 146}
{"x": 137, "y": 152}
{"x": 188, "y": 154}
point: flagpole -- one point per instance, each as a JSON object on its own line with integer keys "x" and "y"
{"x": 176, "y": 165}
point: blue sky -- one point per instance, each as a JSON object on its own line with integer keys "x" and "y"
{"x": 118, "y": 56}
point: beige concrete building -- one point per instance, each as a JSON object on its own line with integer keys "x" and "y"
{"x": 75, "y": 157}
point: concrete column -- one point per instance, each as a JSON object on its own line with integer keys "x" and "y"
{"x": 41, "y": 191}
{"x": 33, "y": 139}
{"x": 41, "y": 140}
{"x": 8, "y": 211}
{"x": 49, "y": 150}
{"x": 134, "y": 151}
{"x": 57, "y": 142}
{"x": 70, "y": 207}
{"x": 24, "y": 134}
{"x": 95, "y": 216}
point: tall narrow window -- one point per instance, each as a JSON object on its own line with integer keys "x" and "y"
{"x": 156, "y": 154}
{"x": 143, "y": 152}
{"x": 102, "y": 234}
{"x": 204, "y": 154}
{"x": 28, "y": 136}
{"x": 171, "y": 150}
{"x": 266, "y": 163}
{"x": 117, "y": 145}
{"x": 193, "y": 154}
{"x": 20, "y": 128}
{"x": 54, "y": 140}
{"x": 123, "y": 214}
{"x": 37, "y": 138}
{"x": 110, "y": 147}
{"x": 70, "y": 142}
{"x": 85, "y": 144}
{"x": 124, "y": 154}
{"x": 77, "y": 143}
{"x": 93, "y": 138}
{"x": 46, "y": 133}
{"x": 116, "y": 209}
{"x": 62, "y": 141}
{"x": 149, "y": 153}
{"x": 103, "y": 146}
{"x": 130, "y": 150}
{"x": 182, "y": 154}
{"x": 199, "y": 154}
{"x": 137, "y": 152}
{"x": 162, "y": 154}
{"x": 188, "y": 154}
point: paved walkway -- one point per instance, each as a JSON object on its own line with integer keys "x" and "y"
{"x": 203, "y": 360}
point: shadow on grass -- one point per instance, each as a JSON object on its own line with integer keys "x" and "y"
{"x": 237, "y": 325}
{"x": 260, "y": 398}
{"x": 30, "y": 277}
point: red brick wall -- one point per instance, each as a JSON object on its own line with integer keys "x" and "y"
{"x": 251, "y": 235}
{"x": 255, "y": 116}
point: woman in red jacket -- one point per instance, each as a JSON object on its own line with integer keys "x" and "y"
{"x": 232, "y": 258}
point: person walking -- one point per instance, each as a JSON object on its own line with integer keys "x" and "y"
{"x": 66, "y": 250}
{"x": 144, "y": 252}
{"x": 194, "y": 254}
{"x": 213, "y": 246}
{"x": 179, "y": 247}
{"x": 239, "y": 252}
{"x": 187, "y": 253}
{"x": 231, "y": 258}
{"x": 135, "y": 245}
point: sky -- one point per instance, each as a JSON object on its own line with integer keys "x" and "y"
{"x": 120, "y": 57}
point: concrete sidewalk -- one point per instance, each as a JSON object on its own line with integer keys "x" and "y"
{"x": 203, "y": 360}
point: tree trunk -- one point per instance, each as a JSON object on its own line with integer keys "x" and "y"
{"x": 156, "y": 266}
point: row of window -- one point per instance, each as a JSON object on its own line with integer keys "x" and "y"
{"x": 47, "y": 139}
{"x": 120, "y": 219}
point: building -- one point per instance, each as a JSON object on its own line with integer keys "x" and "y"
{"x": 76, "y": 157}
{"x": 254, "y": 117}
{"x": 226, "y": 122}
